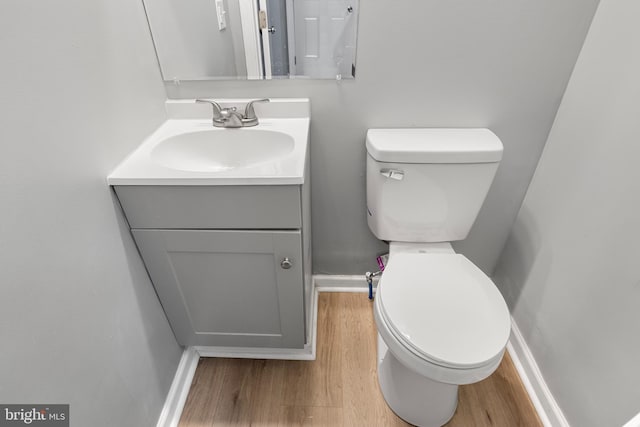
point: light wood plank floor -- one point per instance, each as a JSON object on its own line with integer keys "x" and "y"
{"x": 339, "y": 388}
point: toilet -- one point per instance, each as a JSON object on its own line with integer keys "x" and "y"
{"x": 441, "y": 321}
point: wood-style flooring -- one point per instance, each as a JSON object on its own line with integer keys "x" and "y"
{"x": 340, "y": 387}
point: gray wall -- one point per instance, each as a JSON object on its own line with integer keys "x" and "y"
{"x": 570, "y": 269}
{"x": 79, "y": 320}
{"x": 462, "y": 63}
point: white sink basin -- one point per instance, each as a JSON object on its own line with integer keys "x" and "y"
{"x": 216, "y": 150}
{"x": 188, "y": 150}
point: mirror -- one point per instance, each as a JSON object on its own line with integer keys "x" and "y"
{"x": 254, "y": 39}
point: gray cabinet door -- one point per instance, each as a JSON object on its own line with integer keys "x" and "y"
{"x": 227, "y": 287}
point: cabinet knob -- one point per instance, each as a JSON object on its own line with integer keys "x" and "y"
{"x": 286, "y": 263}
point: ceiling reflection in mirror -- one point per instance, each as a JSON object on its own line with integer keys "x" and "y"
{"x": 254, "y": 39}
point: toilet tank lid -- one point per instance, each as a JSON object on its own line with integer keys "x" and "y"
{"x": 434, "y": 145}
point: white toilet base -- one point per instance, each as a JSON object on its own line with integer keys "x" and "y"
{"x": 413, "y": 397}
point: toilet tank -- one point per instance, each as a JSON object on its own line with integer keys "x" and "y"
{"x": 427, "y": 185}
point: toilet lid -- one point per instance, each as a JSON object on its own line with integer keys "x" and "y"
{"x": 444, "y": 308}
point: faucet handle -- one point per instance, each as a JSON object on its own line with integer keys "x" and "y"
{"x": 249, "y": 112}
{"x": 217, "y": 109}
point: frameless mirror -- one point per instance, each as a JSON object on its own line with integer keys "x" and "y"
{"x": 254, "y": 39}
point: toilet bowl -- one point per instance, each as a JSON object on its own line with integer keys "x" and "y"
{"x": 441, "y": 323}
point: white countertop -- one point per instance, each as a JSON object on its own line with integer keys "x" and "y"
{"x": 139, "y": 168}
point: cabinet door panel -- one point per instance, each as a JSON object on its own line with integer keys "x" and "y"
{"x": 227, "y": 288}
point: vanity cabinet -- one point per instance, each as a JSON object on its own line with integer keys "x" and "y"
{"x": 230, "y": 264}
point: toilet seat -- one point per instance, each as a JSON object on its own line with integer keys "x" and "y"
{"x": 444, "y": 310}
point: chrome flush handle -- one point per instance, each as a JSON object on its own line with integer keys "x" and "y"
{"x": 396, "y": 174}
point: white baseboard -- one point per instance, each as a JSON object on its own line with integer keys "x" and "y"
{"x": 342, "y": 283}
{"x": 548, "y": 410}
{"x": 305, "y": 353}
{"x": 174, "y": 403}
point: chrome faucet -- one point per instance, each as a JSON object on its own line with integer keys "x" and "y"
{"x": 230, "y": 118}
{"x": 223, "y": 117}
